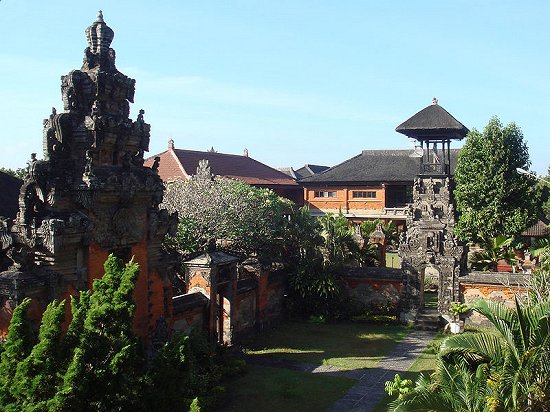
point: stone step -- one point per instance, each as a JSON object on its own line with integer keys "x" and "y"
{"x": 427, "y": 319}
{"x": 431, "y": 327}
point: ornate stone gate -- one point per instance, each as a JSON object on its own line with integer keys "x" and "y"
{"x": 429, "y": 243}
{"x": 89, "y": 197}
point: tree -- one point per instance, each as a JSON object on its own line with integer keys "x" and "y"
{"x": 302, "y": 239}
{"x": 389, "y": 229}
{"x": 99, "y": 364}
{"x": 491, "y": 197}
{"x": 19, "y": 173}
{"x": 106, "y": 365}
{"x": 37, "y": 376}
{"x": 518, "y": 354}
{"x": 244, "y": 217}
{"x": 505, "y": 369}
{"x": 494, "y": 249}
{"x": 339, "y": 245}
{"x": 543, "y": 186}
{"x": 16, "y": 348}
{"x": 452, "y": 387}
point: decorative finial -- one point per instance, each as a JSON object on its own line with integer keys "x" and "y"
{"x": 171, "y": 144}
{"x": 99, "y": 36}
{"x": 245, "y": 153}
{"x": 434, "y": 100}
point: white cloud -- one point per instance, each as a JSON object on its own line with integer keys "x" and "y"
{"x": 205, "y": 89}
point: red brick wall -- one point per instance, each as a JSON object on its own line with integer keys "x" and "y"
{"x": 150, "y": 289}
{"x": 344, "y": 199}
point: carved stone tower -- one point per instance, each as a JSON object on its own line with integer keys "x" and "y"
{"x": 90, "y": 196}
{"x": 429, "y": 246}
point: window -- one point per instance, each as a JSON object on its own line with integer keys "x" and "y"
{"x": 370, "y": 194}
{"x": 325, "y": 194}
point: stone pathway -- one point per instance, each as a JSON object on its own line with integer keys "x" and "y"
{"x": 369, "y": 390}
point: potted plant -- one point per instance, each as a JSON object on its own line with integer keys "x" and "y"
{"x": 495, "y": 255}
{"x": 456, "y": 309}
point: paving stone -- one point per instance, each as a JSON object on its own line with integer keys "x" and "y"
{"x": 369, "y": 390}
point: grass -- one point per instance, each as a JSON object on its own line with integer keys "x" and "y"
{"x": 346, "y": 345}
{"x": 430, "y": 300}
{"x": 269, "y": 389}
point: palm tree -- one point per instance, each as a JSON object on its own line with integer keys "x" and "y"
{"x": 541, "y": 248}
{"x": 339, "y": 245}
{"x": 518, "y": 353}
{"x": 494, "y": 249}
{"x": 452, "y": 387}
{"x": 506, "y": 369}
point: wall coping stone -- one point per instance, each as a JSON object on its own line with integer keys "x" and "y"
{"x": 188, "y": 301}
{"x": 377, "y": 273}
{"x": 495, "y": 278}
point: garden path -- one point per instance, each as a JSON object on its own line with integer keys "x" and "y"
{"x": 369, "y": 390}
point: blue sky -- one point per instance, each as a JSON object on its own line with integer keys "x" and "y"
{"x": 294, "y": 82}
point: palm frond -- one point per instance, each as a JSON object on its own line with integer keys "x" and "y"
{"x": 475, "y": 348}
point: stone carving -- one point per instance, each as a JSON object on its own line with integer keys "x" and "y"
{"x": 203, "y": 170}
{"x": 429, "y": 240}
{"x": 91, "y": 191}
{"x": 6, "y": 239}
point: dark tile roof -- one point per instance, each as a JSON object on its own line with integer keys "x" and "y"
{"x": 310, "y": 170}
{"x": 289, "y": 171}
{"x": 539, "y": 229}
{"x": 183, "y": 163}
{"x": 9, "y": 195}
{"x": 432, "y": 121}
{"x": 375, "y": 166}
{"x": 217, "y": 258}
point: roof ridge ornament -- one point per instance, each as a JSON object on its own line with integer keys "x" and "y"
{"x": 435, "y": 101}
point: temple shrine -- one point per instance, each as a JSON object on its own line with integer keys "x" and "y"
{"x": 89, "y": 197}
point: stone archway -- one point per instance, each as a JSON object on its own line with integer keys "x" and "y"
{"x": 429, "y": 245}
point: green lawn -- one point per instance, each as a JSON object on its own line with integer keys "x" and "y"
{"x": 274, "y": 390}
{"x": 430, "y": 300}
{"x": 347, "y": 345}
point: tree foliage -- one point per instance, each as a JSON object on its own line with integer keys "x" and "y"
{"x": 98, "y": 364}
{"x": 389, "y": 229}
{"x": 16, "y": 348}
{"x": 19, "y": 173}
{"x": 491, "y": 197}
{"x": 505, "y": 369}
{"x": 495, "y": 249}
{"x": 36, "y": 377}
{"x": 339, "y": 246}
{"x": 246, "y": 218}
{"x": 104, "y": 370}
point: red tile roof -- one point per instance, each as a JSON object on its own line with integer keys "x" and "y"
{"x": 539, "y": 229}
{"x": 178, "y": 163}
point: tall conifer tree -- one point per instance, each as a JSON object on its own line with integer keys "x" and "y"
{"x": 17, "y": 347}
{"x": 105, "y": 370}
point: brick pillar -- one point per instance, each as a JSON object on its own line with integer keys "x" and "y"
{"x": 262, "y": 296}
